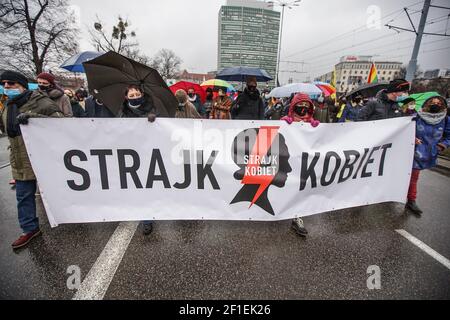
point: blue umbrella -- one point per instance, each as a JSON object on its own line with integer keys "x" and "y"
{"x": 241, "y": 74}
{"x": 75, "y": 63}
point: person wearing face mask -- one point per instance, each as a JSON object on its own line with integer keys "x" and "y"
{"x": 195, "y": 100}
{"x": 432, "y": 137}
{"x": 21, "y": 105}
{"x": 321, "y": 112}
{"x": 47, "y": 86}
{"x": 209, "y": 102}
{"x": 221, "y": 108}
{"x": 249, "y": 105}
{"x": 274, "y": 110}
{"x": 386, "y": 102}
{"x": 351, "y": 111}
{"x": 138, "y": 105}
{"x": 95, "y": 108}
{"x": 77, "y": 110}
{"x": 301, "y": 109}
{"x": 185, "y": 109}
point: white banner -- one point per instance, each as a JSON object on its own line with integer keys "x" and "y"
{"x": 93, "y": 170}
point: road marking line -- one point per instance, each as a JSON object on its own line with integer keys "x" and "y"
{"x": 440, "y": 258}
{"x": 99, "y": 278}
{"x": 5, "y": 165}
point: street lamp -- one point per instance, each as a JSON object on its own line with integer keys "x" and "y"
{"x": 282, "y": 4}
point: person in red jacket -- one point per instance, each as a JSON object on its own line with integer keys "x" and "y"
{"x": 301, "y": 109}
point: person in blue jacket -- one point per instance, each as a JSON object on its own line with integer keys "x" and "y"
{"x": 432, "y": 137}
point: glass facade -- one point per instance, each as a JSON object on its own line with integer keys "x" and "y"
{"x": 248, "y": 37}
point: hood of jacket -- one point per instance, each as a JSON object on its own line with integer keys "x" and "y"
{"x": 299, "y": 98}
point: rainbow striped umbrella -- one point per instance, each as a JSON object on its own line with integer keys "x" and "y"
{"x": 326, "y": 88}
{"x": 217, "y": 84}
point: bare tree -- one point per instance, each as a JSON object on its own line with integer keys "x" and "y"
{"x": 167, "y": 63}
{"x": 120, "y": 40}
{"x": 36, "y": 34}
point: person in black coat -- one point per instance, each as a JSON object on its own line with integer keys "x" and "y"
{"x": 249, "y": 105}
{"x": 139, "y": 105}
{"x": 77, "y": 109}
{"x": 96, "y": 109}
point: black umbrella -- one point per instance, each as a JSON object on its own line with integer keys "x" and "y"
{"x": 110, "y": 74}
{"x": 367, "y": 90}
{"x": 241, "y": 74}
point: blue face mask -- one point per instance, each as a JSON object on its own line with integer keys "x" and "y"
{"x": 11, "y": 93}
{"x": 401, "y": 98}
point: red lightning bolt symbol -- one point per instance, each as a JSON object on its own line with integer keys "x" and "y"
{"x": 263, "y": 142}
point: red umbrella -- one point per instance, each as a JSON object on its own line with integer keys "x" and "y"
{"x": 185, "y": 85}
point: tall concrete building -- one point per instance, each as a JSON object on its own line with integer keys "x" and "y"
{"x": 248, "y": 35}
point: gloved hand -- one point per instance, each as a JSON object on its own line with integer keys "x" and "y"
{"x": 151, "y": 117}
{"x": 315, "y": 123}
{"x": 22, "y": 118}
{"x": 289, "y": 120}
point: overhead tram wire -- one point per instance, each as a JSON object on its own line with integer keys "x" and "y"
{"x": 349, "y": 33}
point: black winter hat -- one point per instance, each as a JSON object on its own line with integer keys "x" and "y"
{"x": 16, "y": 77}
{"x": 397, "y": 85}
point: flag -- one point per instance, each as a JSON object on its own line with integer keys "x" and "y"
{"x": 373, "y": 77}
{"x": 333, "y": 83}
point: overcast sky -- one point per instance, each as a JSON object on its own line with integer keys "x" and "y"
{"x": 317, "y": 32}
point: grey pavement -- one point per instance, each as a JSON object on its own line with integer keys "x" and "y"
{"x": 242, "y": 260}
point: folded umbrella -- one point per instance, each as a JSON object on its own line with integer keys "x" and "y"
{"x": 111, "y": 73}
{"x": 186, "y": 85}
{"x": 75, "y": 63}
{"x": 241, "y": 74}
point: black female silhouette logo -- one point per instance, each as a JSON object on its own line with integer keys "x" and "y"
{"x": 263, "y": 160}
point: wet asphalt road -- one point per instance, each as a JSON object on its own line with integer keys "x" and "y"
{"x": 241, "y": 260}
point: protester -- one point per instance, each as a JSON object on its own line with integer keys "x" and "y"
{"x": 195, "y": 100}
{"x": 351, "y": 110}
{"x": 321, "y": 112}
{"x": 185, "y": 108}
{"x": 249, "y": 105}
{"x": 138, "y": 105}
{"x": 301, "y": 110}
{"x": 77, "y": 110}
{"x": 274, "y": 110}
{"x": 96, "y": 109}
{"x": 21, "y": 105}
{"x": 386, "y": 105}
{"x": 47, "y": 86}
{"x": 221, "y": 108}
{"x": 432, "y": 136}
{"x": 81, "y": 95}
{"x": 208, "y": 103}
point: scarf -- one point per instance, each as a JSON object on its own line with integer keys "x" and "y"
{"x": 13, "y": 127}
{"x": 432, "y": 118}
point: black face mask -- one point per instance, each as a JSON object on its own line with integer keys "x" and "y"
{"x": 209, "y": 96}
{"x": 434, "y": 108}
{"x": 301, "y": 111}
{"x": 44, "y": 88}
{"x": 191, "y": 95}
{"x": 251, "y": 88}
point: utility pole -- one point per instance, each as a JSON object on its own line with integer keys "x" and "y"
{"x": 412, "y": 66}
{"x": 283, "y": 4}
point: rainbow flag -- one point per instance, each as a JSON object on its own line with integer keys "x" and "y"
{"x": 373, "y": 77}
